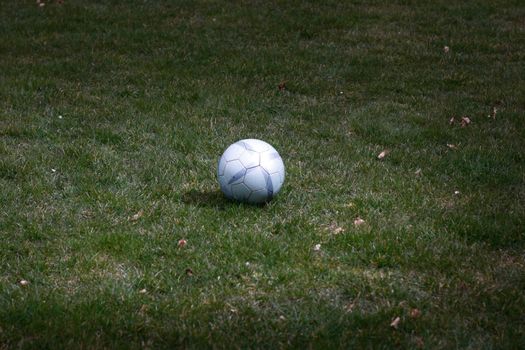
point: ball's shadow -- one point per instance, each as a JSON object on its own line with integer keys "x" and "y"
{"x": 212, "y": 199}
{"x": 205, "y": 198}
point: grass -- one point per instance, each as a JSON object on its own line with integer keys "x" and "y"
{"x": 111, "y": 108}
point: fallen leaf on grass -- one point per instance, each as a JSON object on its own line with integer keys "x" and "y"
{"x": 493, "y": 113}
{"x": 282, "y": 86}
{"x": 350, "y": 307}
{"x": 415, "y": 313}
{"x": 181, "y": 243}
{"x": 418, "y": 172}
{"x": 452, "y": 146}
{"x": 137, "y": 216}
{"x": 189, "y": 272}
{"x": 334, "y": 229}
{"x": 86, "y": 214}
{"x": 395, "y": 323}
{"x": 143, "y": 309}
{"x": 465, "y": 121}
{"x": 452, "y": 120}
{"x": 420, "y": 344}
{"x": 382, "y": 154}
{"x": 358, "y": 221}
{"x": 143, "y": 291}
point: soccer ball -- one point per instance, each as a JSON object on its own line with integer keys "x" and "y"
{"x": 250, "y": 171}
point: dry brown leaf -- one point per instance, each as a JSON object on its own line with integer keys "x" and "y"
{"x": 86, "y": 213}
{"x": 465, "y": 121}
{"x": 358, "y": 221}
{"x": 493, "y": 113}
{"x": 395, "y": 323}
{"x": 350, "y": 307}
{"x": 415, "y": 313}
{"x": 137, "y": 216}
{"x": 335, "y": 229}
{"x": 282, "y": 86}
{"x": 189, "y": 272}
{"x": 382, "y": 154}
{"x": 143, "y": 309}
{"x": 420, "y": 344}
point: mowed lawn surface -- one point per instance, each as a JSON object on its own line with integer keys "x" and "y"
{"x": 113, "y": 115}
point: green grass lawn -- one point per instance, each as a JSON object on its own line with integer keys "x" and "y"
{"x": 113, "y": 115}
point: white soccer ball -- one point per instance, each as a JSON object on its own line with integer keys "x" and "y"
{"x": 250, "y": 171}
